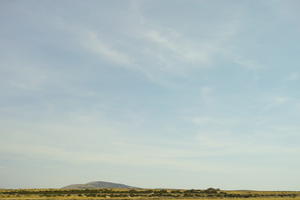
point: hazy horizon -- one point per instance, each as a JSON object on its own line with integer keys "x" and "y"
{"x": 154, "y": 94}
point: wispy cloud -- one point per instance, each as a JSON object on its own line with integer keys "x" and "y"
{"x": 213, "y": 121}
{"x": 92, "y": 42}
{"x": 294, "y": 76}
{"x": 228, "y": 143}
{"x": 276, "y": 101}
{"x": 206, "y": 94}
{"x": 182, "y": 50}
{"x": 247, "y": 63}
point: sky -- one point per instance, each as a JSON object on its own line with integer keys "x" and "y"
{"x": 154, "y": 94}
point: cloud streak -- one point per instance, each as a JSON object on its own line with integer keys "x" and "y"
{"x": 95, "y": 45}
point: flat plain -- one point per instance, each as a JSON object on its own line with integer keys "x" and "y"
{"x": 144, "y": 194}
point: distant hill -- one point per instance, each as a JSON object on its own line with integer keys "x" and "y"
{"x": 97, "y": 184}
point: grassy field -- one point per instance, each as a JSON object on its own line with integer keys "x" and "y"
{"x": 143, "y": 194}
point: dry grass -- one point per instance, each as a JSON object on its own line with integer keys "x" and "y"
{"x": 97, "y": 198}
{"x": 144, "y": 194}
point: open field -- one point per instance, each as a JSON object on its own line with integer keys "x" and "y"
{"x": 143, "y": 194}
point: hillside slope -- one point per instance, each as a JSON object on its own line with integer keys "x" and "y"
{"x": 97, "y": 184}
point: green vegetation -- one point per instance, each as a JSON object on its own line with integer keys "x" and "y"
{"x": 128, "y": 194}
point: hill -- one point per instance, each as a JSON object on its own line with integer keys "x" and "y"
{"x": 97, "y": 184}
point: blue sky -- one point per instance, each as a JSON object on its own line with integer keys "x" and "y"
{"x": 177, "y": 94}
